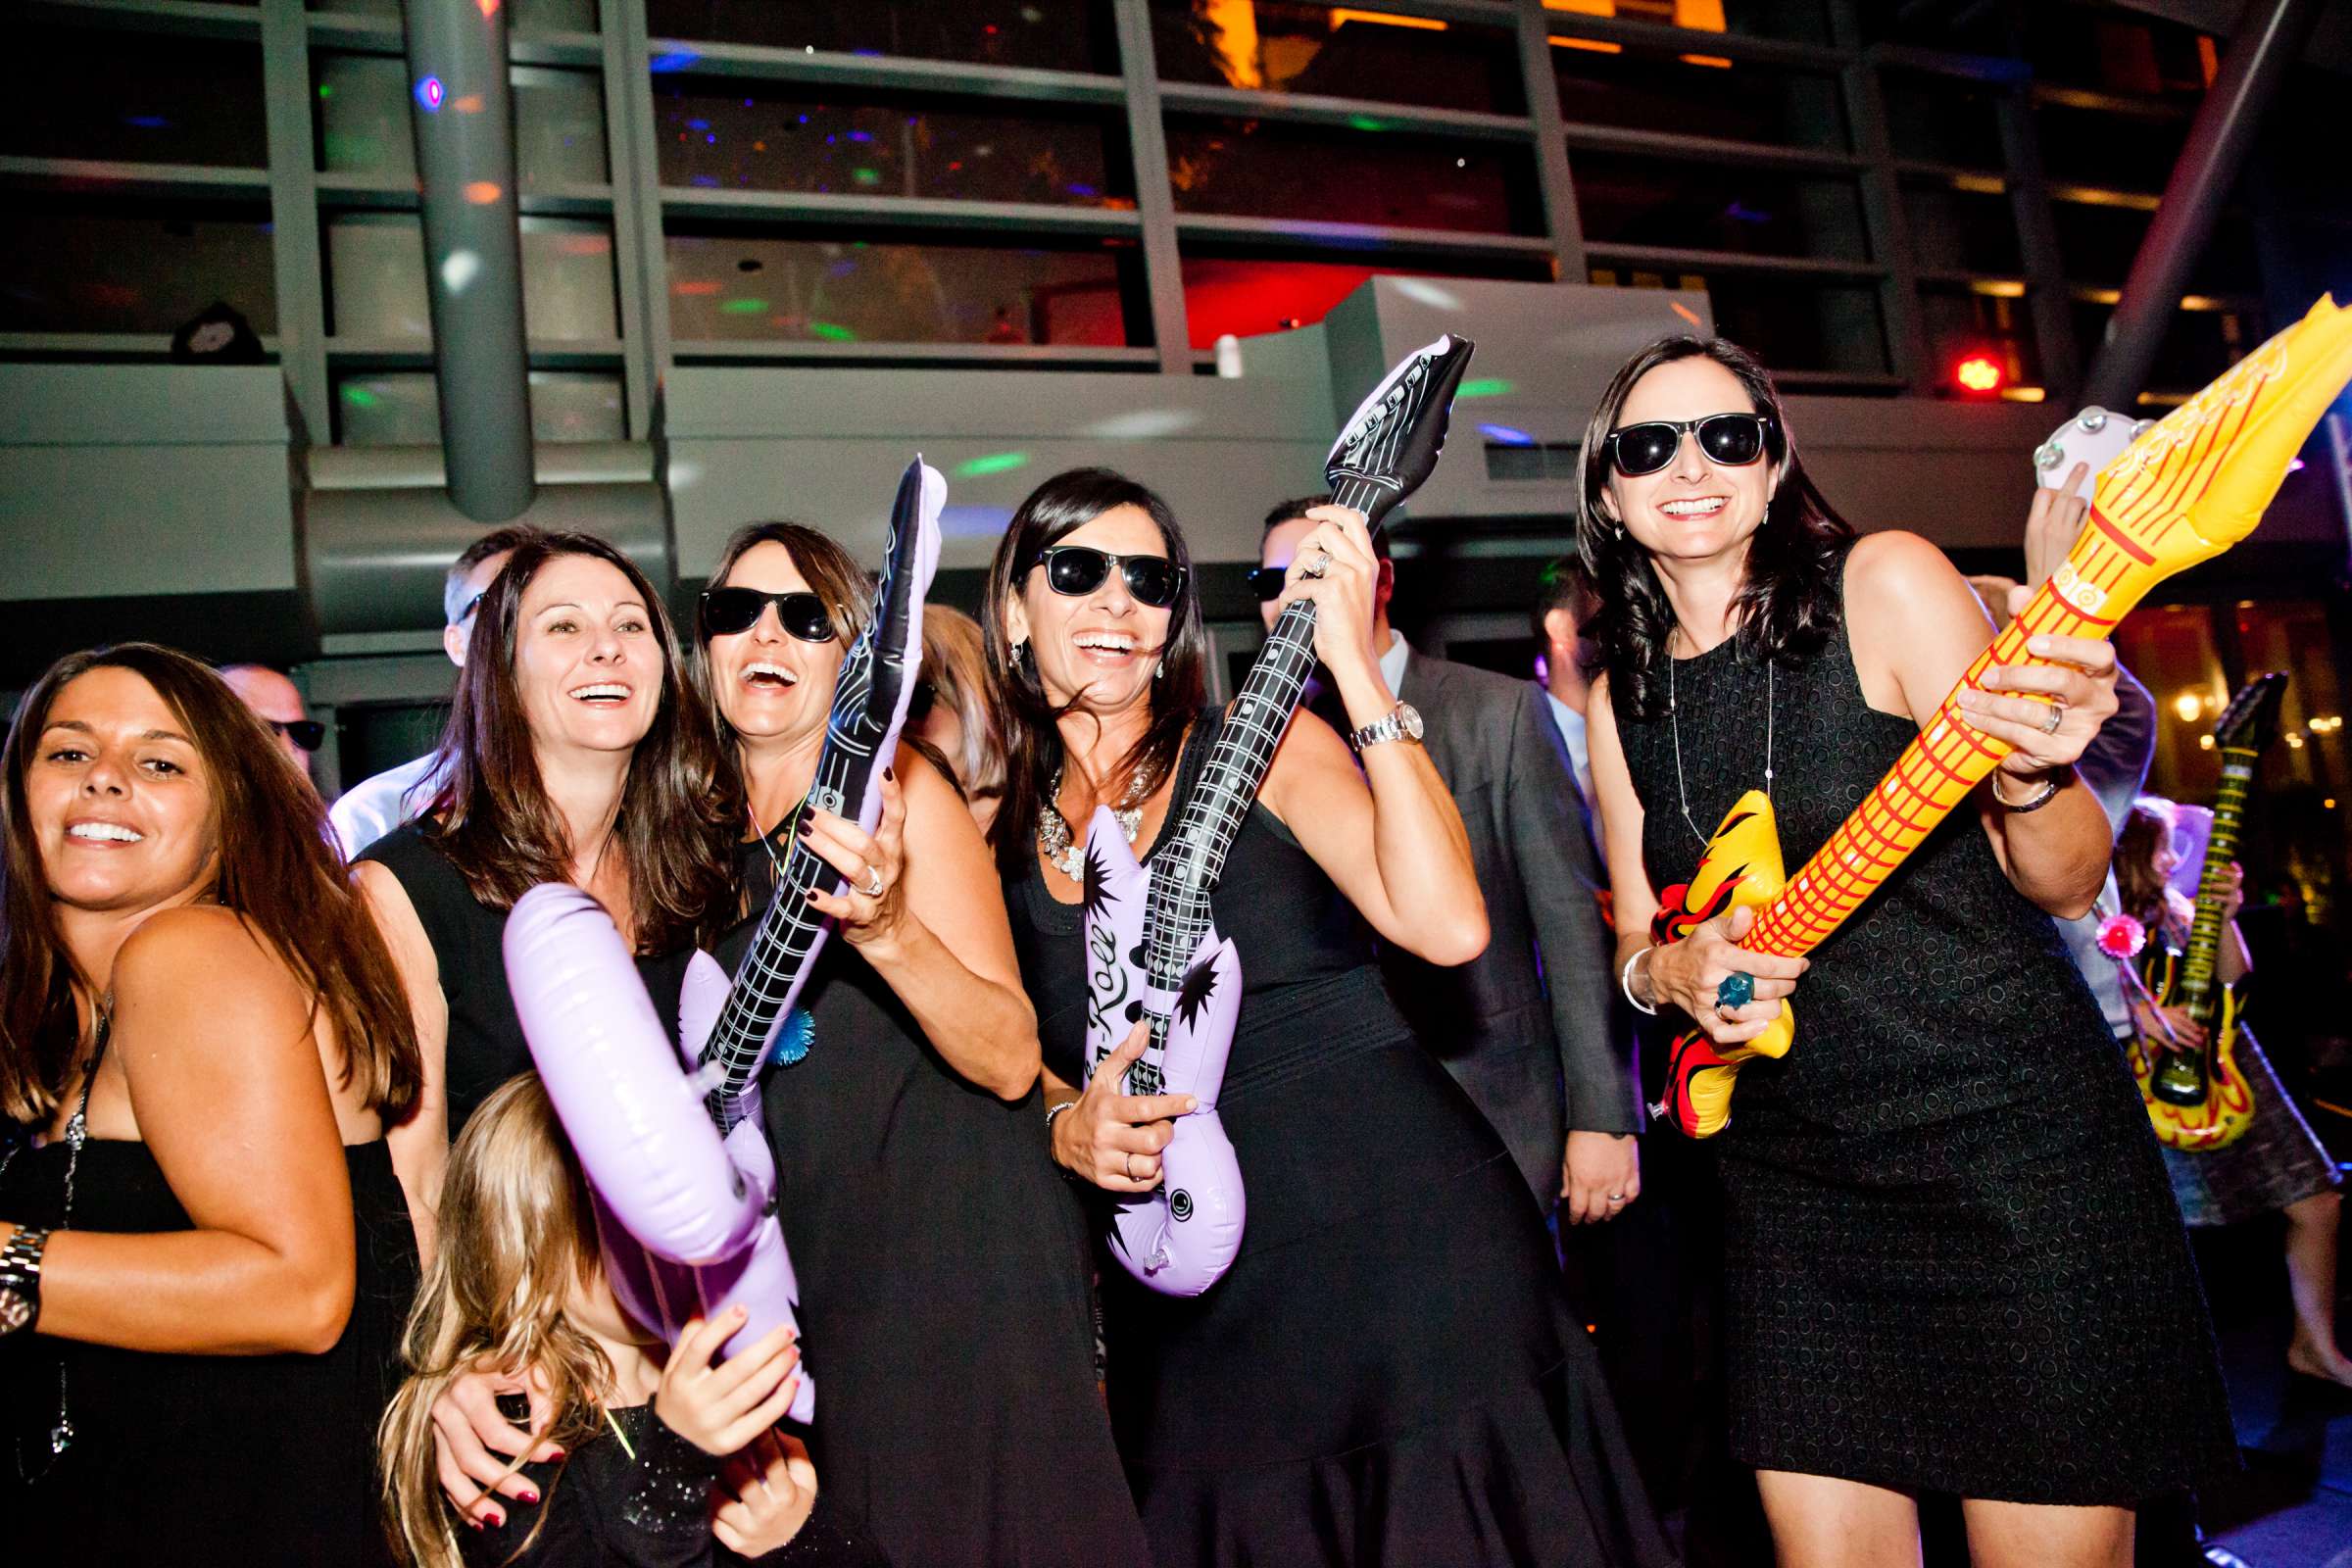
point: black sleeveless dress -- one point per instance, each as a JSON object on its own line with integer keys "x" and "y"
{"x": 1953, "y": 1262}
{"x": 942, "y": 1265}
{"x": 486, "y": 1046}
{"x": 200, "y": 1459}
{"x": 1387, "y": 1375}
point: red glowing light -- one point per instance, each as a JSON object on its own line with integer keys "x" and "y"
{"x": 1979, "y": 374}
{"x": 483, "y": 193}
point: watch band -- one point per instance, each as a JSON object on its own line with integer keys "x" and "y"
{"x": 21, "y": 1280}
{"x": 1388, "y": 726}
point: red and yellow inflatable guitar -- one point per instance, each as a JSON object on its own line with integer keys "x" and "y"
{"x": 2188, "y": 489}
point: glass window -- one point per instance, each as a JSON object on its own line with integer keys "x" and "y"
{"x": 81, "y": 267}
{"x": 364, "y": 120}
{"x": 1716, "y": 207}
{"x": 1053, "y": 35}
{"x": 738, "y": 287}
{"x": 1961, "y": 321}
{"x": 1789, "y": 324}
{"x": 1800, "y": 20}
{"x": 529, "y": 16}
{"x": 758, "y": 136}
{"x": 2111, "y": 151}
{"x": 68, "y": 92}
{"x": 1957, "y": 230}
{"x": 1352, "y": 176}
{"x": 376, "y": 276}
{"x": 2197, "y": 347}
{"x": 403, "y": 407}
{"x": 1338, "y": 51}
{"x": 1247, "y": 295}
{"x": 1942, "y": 120}
{"x": 1602, "y": 84}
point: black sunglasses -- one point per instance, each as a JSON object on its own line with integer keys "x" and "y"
{"x": 308, "y": 733}
{"x": 1077, "y": 570}
{"x": 1732, "y": 439}
{"x": 728, "y": 610}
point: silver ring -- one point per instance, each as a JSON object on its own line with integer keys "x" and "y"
{"x": 1317, "y": 564}
{"x": 1616, "y": 1198}
{"x": 2057, "y": 718}
{"x": 873, "y": 882}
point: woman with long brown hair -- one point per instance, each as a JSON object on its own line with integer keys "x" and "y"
{"x": 1386, "y": 1374}
{"x": 205, "y": 1250}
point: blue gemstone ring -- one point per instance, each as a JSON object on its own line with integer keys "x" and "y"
{"x": 1736, "y": 991}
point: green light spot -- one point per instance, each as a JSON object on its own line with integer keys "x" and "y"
{"x": 866, "y": 177}
{"x": 744, "y": 308}
{"x": 1493, "y": 386}
{"x": 327, "y": 89}
{"x": 832, "y": 332}
{"x": 359, "y": 397}
{"x": 1366, "y": 122}
{"x": 994, "y": 463}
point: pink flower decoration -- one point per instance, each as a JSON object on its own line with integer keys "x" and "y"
{"x": 2122, "y": 937}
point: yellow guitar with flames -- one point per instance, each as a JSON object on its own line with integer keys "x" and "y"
{"x": 2184, "y": 491}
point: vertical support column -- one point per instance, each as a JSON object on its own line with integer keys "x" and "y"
{"x": 461, "y": 115}
{"x": 1553, "y": 176}
{"x": 2047, "y": 300}
{"x": 1154, "y": 198}
{"x": 637, "y": 244}
{"x": 1882, "y": 214}
{"x": 297, "y": 257}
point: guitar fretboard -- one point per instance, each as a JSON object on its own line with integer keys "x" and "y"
{"x": 2137, "y": 536}
{"x": 1186, "y": 870}
{"x": 2212, "y": 884}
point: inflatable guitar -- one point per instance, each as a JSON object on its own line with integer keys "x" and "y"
{"x": 675, "y": 1152}
{"x": 2183, "y": 491}
{"x": 2196, "y": 1095}
{"x": 1151, "y": 944}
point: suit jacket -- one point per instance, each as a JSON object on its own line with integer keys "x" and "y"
{"x": 1528, "y": 1028}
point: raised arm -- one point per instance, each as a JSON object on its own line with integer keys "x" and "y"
{"x": 213, "y": 1039}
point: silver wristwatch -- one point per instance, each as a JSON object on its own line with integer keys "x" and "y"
{"x": 1402, "y": 722}
{"x": 20, "y": 1280}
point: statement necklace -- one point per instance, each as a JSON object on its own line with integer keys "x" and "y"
{"x": 1674, "y": 719}
{"x": 1063, "y": 851}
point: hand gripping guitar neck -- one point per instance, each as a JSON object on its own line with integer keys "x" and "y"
{"x": 1151, "y": 945}
{"x": 2183, "y": 492}
{"x": 2198, "y": 1097}
{"x": 685, "y": 1207}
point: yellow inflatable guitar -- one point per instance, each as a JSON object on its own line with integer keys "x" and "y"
{"x": 2188, "y": 489}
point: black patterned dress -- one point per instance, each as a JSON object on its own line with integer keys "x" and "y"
{"x": 1952, "y": 1260}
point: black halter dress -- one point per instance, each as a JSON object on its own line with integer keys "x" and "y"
{"x": 1387, "y": 1375}
{"x": 1954, "y": 1260}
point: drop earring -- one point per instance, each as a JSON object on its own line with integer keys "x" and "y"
{"x": 1159, "y": 667}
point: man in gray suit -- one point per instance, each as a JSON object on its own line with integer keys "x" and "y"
{"x": 1526, "y": 1027}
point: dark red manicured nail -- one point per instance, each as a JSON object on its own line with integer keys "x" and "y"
{"x": 529, "y": 1495}
{"x": 890, "y": 773}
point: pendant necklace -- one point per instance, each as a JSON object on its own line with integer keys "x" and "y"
{"x": 1063, "y": 851}
{"x": 1674, "y": 719}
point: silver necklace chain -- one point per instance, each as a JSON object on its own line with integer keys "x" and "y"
{"x": 1674, "y": 720}
{"x": 1054, "y": 836}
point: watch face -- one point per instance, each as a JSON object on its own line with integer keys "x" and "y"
{"x": 14, "y": 1310}
{"x": 1408, "y": 718}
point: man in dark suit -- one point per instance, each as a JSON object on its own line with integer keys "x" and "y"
{"x": 1526, "y": 1027}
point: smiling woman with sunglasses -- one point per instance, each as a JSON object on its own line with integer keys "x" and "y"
{"x": 1946, "y": 1186}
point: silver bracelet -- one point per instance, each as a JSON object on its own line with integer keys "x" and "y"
{"x": 2033, "y": 803}
{"x": 1053, "y": 1111}
{"x": 1625, "y": 982}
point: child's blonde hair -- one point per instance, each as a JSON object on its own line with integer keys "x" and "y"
{"x": 515, "y": 1231}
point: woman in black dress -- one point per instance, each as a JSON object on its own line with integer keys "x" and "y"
{"x": 1953, "y": 1262}
{"x": 576, "y": 752}
{"x": 1386, "y": 1374}
{"x": 940, "y": 1261}
{"x": 203, "y": 1043}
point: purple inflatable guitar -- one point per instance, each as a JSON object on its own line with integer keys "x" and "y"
{"x": 672, "y": 1139}
{"x": 1151, "y": 944}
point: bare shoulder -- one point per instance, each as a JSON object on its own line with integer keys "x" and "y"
{"x": 200, "y": 941}
{"x": 1884, "y": 568}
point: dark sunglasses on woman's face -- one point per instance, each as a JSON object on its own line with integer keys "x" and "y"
{"x": 1078, "y": 570}
{"x": 1730, "y": 439}
{"x": 728, "y": 610}
{"x": 307, "y": 733}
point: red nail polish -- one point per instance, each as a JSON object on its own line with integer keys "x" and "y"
{"x": 529, "y": 1495}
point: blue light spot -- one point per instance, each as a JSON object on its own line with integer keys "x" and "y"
{"x": 803, "y": 119}
{"x": 698, "y": 124}
{"x": 430, "y": 93}
{"x": 747, "y": 103}
{"x": 675, "y": 59}
{"x": 862, "y": 135}
{"x": 1504, "y": 435}
{"x": 1740, "y": 212}
{"x": 147, "y": 121}
{"x": 1082, "y": 190}
{"x": 870, "y": 54}
{"x": 712, "y": 140}
{"x": 706, "y": 179}
{"x": 841, "y": 268}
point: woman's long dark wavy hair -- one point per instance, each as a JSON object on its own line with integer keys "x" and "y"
{"x": 493, "y": 818}
{"x": 1033, "y": 752}
{"x": 1792, "y": 598}
{"x": 2148, "y": 827}
{"x": 278, "y": 869}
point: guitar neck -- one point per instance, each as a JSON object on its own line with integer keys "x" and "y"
{"x": 1186, "y": 871}
{"x": 2195, "y": 984}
